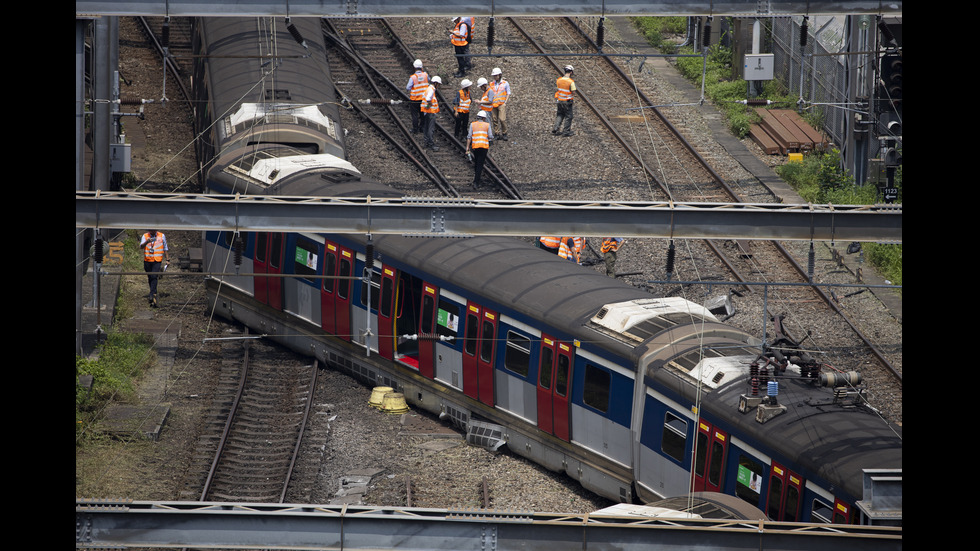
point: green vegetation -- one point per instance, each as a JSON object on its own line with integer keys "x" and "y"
{"x": 122, "y": 358}
{"x": 819, "y": 178}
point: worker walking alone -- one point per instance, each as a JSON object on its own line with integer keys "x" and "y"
{"x": 610, "y": 246}
{"x": 429, "y": 108}
{"x": 564, "y": 97}
{"x": 155, "y": 254}
{"x": 416, "y": 86}
{"x": 461, "y": 109}
{"x": 478, "y": 144}
{"x": 460, "y": 37}
{"x": 501, "y": 93}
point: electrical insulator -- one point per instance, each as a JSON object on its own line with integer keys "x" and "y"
{"x": 98, "y": 250}
{"x": 810, "y": 262}
{"x": 670, "y": 260}
{"x": 369, "y": 256}
{"x": 238, "y": 250}
{"x": 706, "y": 39}
{"x": 490, "y": 36}
{"x": 600, "y": 34}
{"x": 291, "y": 27}
{"x": 804, "y": 32}
{"x": 166, "y": 33}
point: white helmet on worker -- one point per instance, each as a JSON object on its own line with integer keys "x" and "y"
{"x": 436, "y": 80}
{"x": 455, "y": 19}
{"x": 418, "y": 63}
{"x": 465, "y": 83}
{"x": 481, "y": 81}
{"x": 569, "y": 68}
{"x": 482, "y": 114}
{"x": 496, "y": 71}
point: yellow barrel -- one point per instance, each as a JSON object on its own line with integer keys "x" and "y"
{"x": 377, "y": 396}
{"x": 394, "y": 402}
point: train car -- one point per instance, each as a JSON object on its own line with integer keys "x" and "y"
{"x": 636, "y": 397}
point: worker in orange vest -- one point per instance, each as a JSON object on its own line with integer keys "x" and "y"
{"x": 610, "y": 246}
{"x": 569, "y": 249}
{"x": 478, "y": 144}
{"x": 429, "y": 107}
{"x": 155, "y": 253}
{"x": 416, "y": 86}
{"x": 460, "y": 37}
{"x": 501, "y": 93}
{"x": 564, "y": 98}
{"x": 461, "y": 108}
{"x": 549, "y": 243}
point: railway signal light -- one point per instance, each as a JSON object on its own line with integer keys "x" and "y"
{"x": 890, "y": 85}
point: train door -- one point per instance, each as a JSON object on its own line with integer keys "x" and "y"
{"x": 709, "y": 459}
{"x": 785, "y": 490}
{"x": 345, "y": 269}
{"x": 554, "y": 374}
{"x": 478, "y": 351}
{"x": 268, "y": 260}
{"x": 386, "y": 319}
{"x": 842, "y": 512}
{"x": 328, "y": 289}
{"x": 427, "y": 328}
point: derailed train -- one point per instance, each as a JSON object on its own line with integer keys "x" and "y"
{"x": 636, "y": 397}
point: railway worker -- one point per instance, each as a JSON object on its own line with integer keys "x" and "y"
{"x": 478, "y": 143}
{"x": 460, "y": 36}
{"x": 549, "y": 243}
{"x": 501, "y": 93}
{"x": 155, "y": 253}
{"x": 461, "y": 109}
{"x": 416, "y": 86}
{"x": 486, "y": 100}
{"x": 610, "y": 245}
{"x": 564, "y": 97}
{"x": 429, "y": 107}
{"x": 568, "y": 249}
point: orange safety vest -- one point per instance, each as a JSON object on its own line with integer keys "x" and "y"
{"x": 564, "y": 92}
{"x": 460, "y": 38}
{"x": 567, "y": 251}
{"x": 499, "y": 93}
{"x": 154, "y": 248}
{"x": 430, "y": 102}
{"x": 420, "y": 80}
{"x": 480, "y": 135}
{"x": 487, "y": 99}
{"x": 611, "y": 244}
{"x": 549, "y": 241}
{"x": 464, "y": 102}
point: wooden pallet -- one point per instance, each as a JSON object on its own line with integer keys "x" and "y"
{"x": 783, "y": 131}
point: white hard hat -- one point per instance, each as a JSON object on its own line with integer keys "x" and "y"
{"x": 482, "y": 114}
{"x": 418, "y": 63}
{"x": 569, "y": 68}
{"x": 481, "y": 81}
{"x": 456, "y": 18}
{"x": 437, "y": 80}
{"x": 465, "y": 83}
{"x": 496, "y": 71}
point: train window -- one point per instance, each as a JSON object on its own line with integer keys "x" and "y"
{"x": 261, "y": 242}
{"x": 674, "y": 439}
{"x": 792, "y": 503}
{"x": 471, "y": 332}
{"x": 375, "y": 290}
{"x": 775, "y": 492}
{"x": 717, "y": 456}
{"x": 749, "y": 480}
{"x": 699, "y": 457}
{"x": 486, "y": 346}
{"x": 821, "y": 511}
{"x": 276, "y": 250}
{"x": 329, "y": 267}
{"x": 447, "y": 320}
{"x": 547, "y": 360}
{"x": 386, "y": 290}
{"x": 306, "y": 258}
{"x": 343, "y": 285}
{"x": 561, "y": 377}
{"x": 518, "y": 355}
{"x": 428, "y": 304}
{"x": 596, "y": 391}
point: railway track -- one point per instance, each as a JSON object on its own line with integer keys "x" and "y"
{"x": 366, "y": 51}
{"x": 248, "y": 450}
